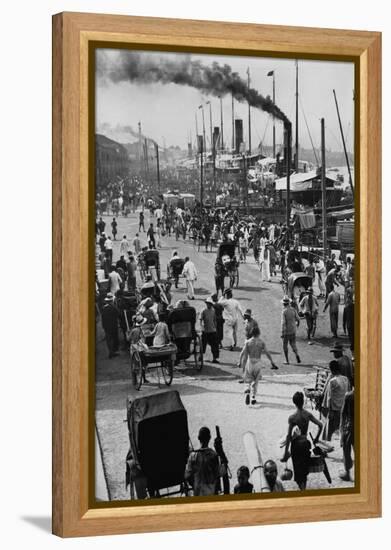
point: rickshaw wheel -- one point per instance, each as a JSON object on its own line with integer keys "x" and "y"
{"x": 167, "y": 368}
{"x": 136, "y": 369}
{"x": 198, "y": 355}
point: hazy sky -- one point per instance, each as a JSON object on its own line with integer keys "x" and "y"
{"x": 169, "y": 110}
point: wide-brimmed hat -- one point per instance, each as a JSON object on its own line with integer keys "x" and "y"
{"x": 338, "y": 346}
{"x": 247, "y": 312}
{"x": 109, "y": 297}
{"x": 140, "y": 320}
{"x": 209, "y": 301}
{"x": 227, "y": 291}
{"x": 285, "y": 300}
{"x": 310, "y": 290}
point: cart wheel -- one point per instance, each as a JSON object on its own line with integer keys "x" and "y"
{"x": 136, "y": 369}
{"x": 167, "y": 368}
{"x": 198, "y": 355}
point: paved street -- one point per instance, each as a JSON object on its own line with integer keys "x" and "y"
{"x": 214, "y": 396}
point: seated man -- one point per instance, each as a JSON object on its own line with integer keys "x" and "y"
{"x": 181, "y": 323}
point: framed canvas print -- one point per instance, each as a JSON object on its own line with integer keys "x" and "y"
{"x": 216, "y": 230}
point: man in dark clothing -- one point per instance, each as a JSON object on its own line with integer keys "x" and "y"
{"x": 101, "y": 226}
{"x": 219, "y": 276}
{"x": 114, "y": 228}
{"x": 209, "y": 329}
{"x": 151, "y": 236}
{"x": 249, "y": 323}
{"x": 181, "y": 323}
{"x": 219, "y": 309}
{"x": 344, "y": 362}
{"x": 347, "y": 434}
{"x": 331, "y": 263}
{"x": 141, "y": 222}
{"x": 110, "y": 318}
{"x": 203, "y": 466}
{"x": 102, "y": 240}
{"x": 121, "y": 263}
{"x": 332, "y": 278}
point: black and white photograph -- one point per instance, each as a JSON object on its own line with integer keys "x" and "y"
{"x": 224, "y": 275}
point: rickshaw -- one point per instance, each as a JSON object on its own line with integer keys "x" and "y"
{"x": 174, "y": 269}
{"x": 226, "y": 252}
{"x": 297, "y": 284}
{"x": 144, "y": 358}
{"x": 159, "y": 446}
{"x": 149, "y": 264}
{"x": 181, "y": 324}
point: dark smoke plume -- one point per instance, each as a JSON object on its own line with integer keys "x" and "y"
{"x": 108, "y": 129}
{"x": 216, "y": 79}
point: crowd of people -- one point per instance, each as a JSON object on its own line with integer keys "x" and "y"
{"x": 152, "y": 314}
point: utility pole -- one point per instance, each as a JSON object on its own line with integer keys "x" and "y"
{"x": 196, "y": 124}
{"x": 215, "y": 138}
{"x": 249, "y": 113}
{"x": 221, "y": 124}
{"x": 344, "y": 144}
{"x": 323, "y": 181}
{"x": 203, "y": 125}
{"x": 157, "y": 167}
{"x": 271, "y": 73}
{"x": 288, "y": 137}
{"x": 245, "y": 181}
{"x": 297, "y": 119}
{"x": 201, "y": 151}
{"x": 233, "y": 124}
{"x": 210, "y": 120}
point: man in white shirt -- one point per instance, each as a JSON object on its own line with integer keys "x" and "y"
{"x": 114, "y": 280}
{"x": 265, "y": 263}
{"x": 190, "y": 273}
{"x": 124, "y": 247}
{"x": 109, "y": 249}
{"x": 321, "y": 271}
{"x": 232, "y": 312}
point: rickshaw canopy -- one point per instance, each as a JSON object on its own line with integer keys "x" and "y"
{"x": 159, "y": 437}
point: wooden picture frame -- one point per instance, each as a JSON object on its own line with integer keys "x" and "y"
{"x": 73, "y": 514}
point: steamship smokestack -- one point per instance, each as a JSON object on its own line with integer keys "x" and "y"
{"x": 238, "y": 134}
{"x": 216, "y": 137}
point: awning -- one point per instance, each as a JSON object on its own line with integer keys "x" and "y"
{"x": 298, "y": 182}
{"x": 342, "y": 214}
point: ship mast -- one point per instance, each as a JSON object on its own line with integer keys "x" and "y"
{"x": 249, "y": 113}
{"x": 297, "y": 119}
{"x": 343, "y": 143}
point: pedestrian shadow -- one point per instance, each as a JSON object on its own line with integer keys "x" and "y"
{"x": 202, "y": 290}
{"x": 207, "y": 372}
{"x": 281, "y": 382}
{"x": 251, "y": 289}
{"x": 268, "y": 405}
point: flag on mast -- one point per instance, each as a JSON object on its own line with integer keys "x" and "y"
{"x": 270, "y": 73}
